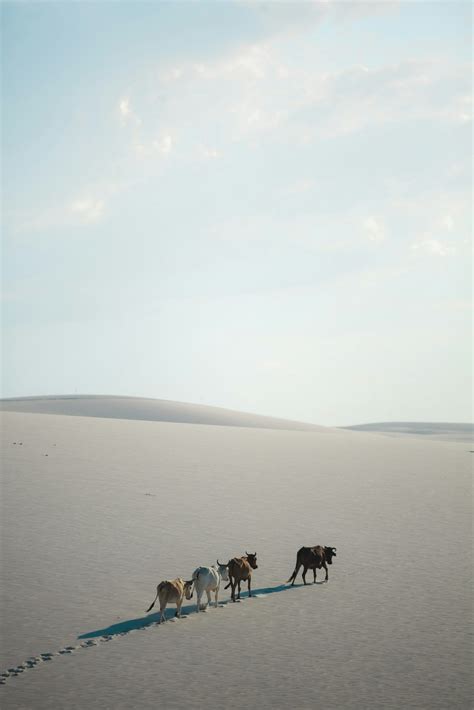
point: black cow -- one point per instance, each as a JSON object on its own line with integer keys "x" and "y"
{"x": 313, "y": 558}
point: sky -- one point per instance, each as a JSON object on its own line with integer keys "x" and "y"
{"x": 260, "y": 206}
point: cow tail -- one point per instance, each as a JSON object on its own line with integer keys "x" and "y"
{"x": 293, "y": 576}
{"x": 154, "y": 600}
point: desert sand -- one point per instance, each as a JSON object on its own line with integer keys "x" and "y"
{"x": 97, "y": 510}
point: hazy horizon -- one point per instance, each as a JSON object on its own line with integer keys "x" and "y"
{"x": 255, "y": 206}
{"x": 164, "y": 410}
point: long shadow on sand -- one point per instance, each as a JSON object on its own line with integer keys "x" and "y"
{"x": 123, "y": 627}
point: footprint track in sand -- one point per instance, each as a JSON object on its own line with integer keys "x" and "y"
{"x": 33, "y": 661}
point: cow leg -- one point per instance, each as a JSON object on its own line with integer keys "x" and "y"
{"x": 314, "y": 575}
{"x": 326, "y": 568}
{"x": 162, "y": 613}
{"x": 217, "y": 594}
{"x": 232, "y": 588}
{"x": 208, "y": 597}
{"x": 178, "y": 608}
{"x": 249, "y": 583}
{"x": 304, "y": 574}
{"x": 240, "y": 582}
{"x": 198, "y": 596}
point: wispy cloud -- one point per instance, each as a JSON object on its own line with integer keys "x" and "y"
{"x": 428, "y": 245}
{"x": 209, "y": 153}
{"x": 374, "y": 229}
{"x": 89, "y": 209}
{"x": 126, "y": 113}
{"x": 448, "y": 222}
{"x": 300, "y": 187}
{"x": 89, "y": 206}
{"x": 143, "y": 144}
{"x": 257, "y": 93}
{"x": 284, "y": 19}
{"x": 164, "y": 144}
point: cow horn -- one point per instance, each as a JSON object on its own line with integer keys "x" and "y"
{"x": 219, "y": 564}
{"x": 334, "y": 549}
{"x": 246, "y": 553}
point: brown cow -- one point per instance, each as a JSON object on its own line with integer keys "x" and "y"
{"x": 172, "y": 592}
{"x": 313, "y": 558}
{"x": 239, "y": 570}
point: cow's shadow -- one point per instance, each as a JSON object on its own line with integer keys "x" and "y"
{"x": 124, "y": 627}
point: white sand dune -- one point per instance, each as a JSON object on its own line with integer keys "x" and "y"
{"x": 433, "y": 430}
{"x": 96, "y": 511}
{"x": 158, "y": 410}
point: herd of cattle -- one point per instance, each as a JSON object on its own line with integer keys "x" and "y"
{"x": 236, "y": 571}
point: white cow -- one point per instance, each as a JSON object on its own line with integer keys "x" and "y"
{"x": 208, "y": 579}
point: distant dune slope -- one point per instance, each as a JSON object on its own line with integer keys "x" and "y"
{"x": 111, "y": 407}
{"x": 432, "y": 430}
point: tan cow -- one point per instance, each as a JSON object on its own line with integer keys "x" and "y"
{"x": 240, "y": 570}
{"x": 173, "y": 592}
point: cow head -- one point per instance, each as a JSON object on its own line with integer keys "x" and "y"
{"x": 252, "y": 559}
{"x": 188, "y": 589}
{"x": 223, "y": 571}
{"x": 329, "y": 553}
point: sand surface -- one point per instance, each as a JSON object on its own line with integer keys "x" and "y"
{"x": 96, "y": 511}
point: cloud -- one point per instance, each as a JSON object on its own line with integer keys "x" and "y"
{"x": 252, "y": 62}
{"x": 124, "y": 107}
{"x": 448, "y": 223}
{"x": 374, "y": 229}
{"x": 164, "y": 144}
{"x": 300, "y": 187}
{"x": 428, "y": 245}
{"x": 357, "y": 98}
{"x": 286, "y": 19}
{"x": 88, "y": 206}
{"x": 259, "y": 93}
{"x": 126, "y": 113}
{"x": 88, "y": 210}
{"x": 437, "y": 222}
{"x": 143, "y": 145}
{"x": 208, "y": 153}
